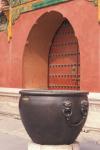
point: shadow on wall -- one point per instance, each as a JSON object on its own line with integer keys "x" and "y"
{"x": 35, "y": 59}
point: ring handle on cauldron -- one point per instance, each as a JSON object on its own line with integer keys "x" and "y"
{"x": 67, "y": 111}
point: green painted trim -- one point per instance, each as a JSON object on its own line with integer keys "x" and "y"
{"x": 39, "y": 5}
{"x": 16, "y": 12}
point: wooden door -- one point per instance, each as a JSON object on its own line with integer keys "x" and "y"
{"x": 64, "y": 60}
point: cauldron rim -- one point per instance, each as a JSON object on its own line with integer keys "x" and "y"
{"x": 53, "y": 92}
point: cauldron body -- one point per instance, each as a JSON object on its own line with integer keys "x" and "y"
{"x": 53, "y": 117}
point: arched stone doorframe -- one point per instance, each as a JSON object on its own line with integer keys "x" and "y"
{"x": 61, "y": 18}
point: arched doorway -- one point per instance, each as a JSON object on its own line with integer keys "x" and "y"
{"x": 64, "y": 63}
{"x": 40, "y": 49}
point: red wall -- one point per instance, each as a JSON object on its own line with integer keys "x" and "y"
{"x": 82, "y": 16}
{"x": 4, "y": 60}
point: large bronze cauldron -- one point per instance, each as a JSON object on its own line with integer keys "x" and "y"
{"x": 53, "y": 117}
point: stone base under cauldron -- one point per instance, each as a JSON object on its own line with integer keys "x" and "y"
{"x": 34, "y": 146}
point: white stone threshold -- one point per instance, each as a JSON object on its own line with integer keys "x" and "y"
{"x": 15, "y": 92}
{"x": 33, "y": 146}
{"x": 9, "y": 91}
{"x": 94, "y": 96}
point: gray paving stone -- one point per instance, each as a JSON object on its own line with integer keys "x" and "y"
{"x": 14, "y": 137}
{"x": 10, "y": 124}
{"x": 12, "y": 142}
{"x": 89, "y": 145}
